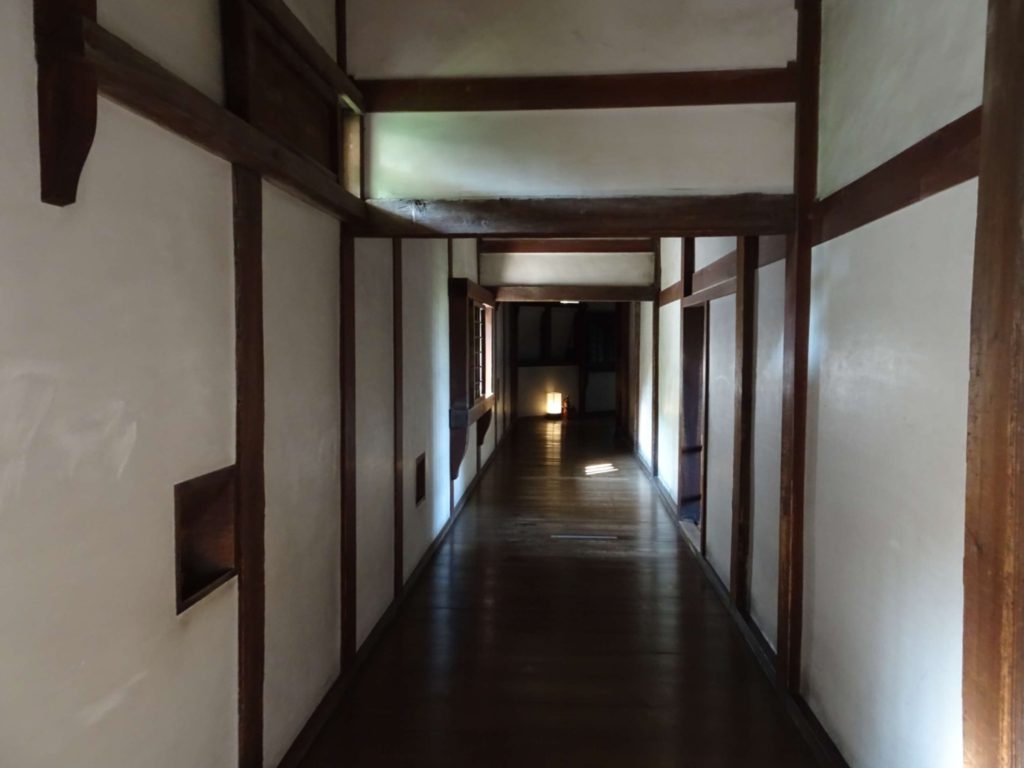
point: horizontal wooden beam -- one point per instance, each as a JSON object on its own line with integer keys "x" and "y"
{"x": 534, "y": 293}
{"x": 673, "y": 293}
{"x": 289, "y": 25}
{"x": 716, "y": 291}
{"x": 661, "y": 89}
{"x": 948, "y": 157}
{"x": 569, "y": 245}
{"x": 685, "y": 215}
{"x": 143, "y": 86}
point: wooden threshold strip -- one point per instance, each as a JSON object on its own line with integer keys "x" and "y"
{"x": 143, "y": 86}
{"x": 660, "y": 89}
{"x": 544, "y": 293}
{"x": 948, "y": 157}
{"x": 658, "y": 216}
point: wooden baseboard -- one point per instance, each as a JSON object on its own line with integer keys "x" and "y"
{"x": 321, "y": 715}
{"x": 813, "y": 732}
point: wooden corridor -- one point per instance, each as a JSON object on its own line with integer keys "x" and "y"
{"x": 563, "y": 623}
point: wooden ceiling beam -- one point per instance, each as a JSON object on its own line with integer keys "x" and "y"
{"x": 660, "y": 89}
{"x": 690, "y": 216}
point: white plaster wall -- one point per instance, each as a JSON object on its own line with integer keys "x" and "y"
{"x": 490, "y": 439}
{"x": 467, "y": 469}
{"x": 405, "y": 38}
{"x": 116, "y": 382}
{"x": 375, "y": 436}
{"x": 767, "y": 449}
{"x": 708, "y": 250}
{"x": 183, "y": 36}
{"x": 464, "y": 259}
{"x": 566, "y": 269}
{"x": 669, "y": 395}
{"x": 674, "y": 150}
{"x": 536, "y": 381}
{"x": 302, "y": 464}
{"x": 721, "y": 418}
{"x": 645, "y": 432}
{"x": 425, "y": 391}
{"x": 886, "y": 431}
{"x": 671, "y": 261}
{"x": 892, "y": 72}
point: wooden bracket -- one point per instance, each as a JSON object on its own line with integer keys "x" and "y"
{"x": 67, "y": 89}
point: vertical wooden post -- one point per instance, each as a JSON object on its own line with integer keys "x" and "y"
{"x": 656, "y": 332}
{"x": 348, "y": 451}
{"x": 249, "y": 420}
{"x": 993, "y": 683}
{"x": 399, "y": 384}
{"x": 691, "y": 406}
{"x": 746, "y": 328}
{"x": 795, "y": 333}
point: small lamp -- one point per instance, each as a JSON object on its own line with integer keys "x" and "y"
{"x": 553, "y": 407}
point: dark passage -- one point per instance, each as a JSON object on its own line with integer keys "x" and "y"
{"x": 564, "y": 623}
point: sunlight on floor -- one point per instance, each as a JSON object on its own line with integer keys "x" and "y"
{"x": 600, "y": 469}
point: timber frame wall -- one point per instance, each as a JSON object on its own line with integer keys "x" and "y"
{"x": 78, "y": 60}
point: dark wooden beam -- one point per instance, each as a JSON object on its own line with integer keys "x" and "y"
{"x": 249, "y": 420}
{"x": 743, "y": 423}
{"x": 660, "y": 89}
{"x": 691, "y": 384}
{"x": 716, "y": 291}
{"x": 143, "y": 86}
{"x": 688, "y": 215}
{"x": 347, "y": 365}
{"x": 569, "y": 245}
{"x": 993, "y": 673}
{"x": 673, "y": 293}
{"x": 948, "y": 157}
{"x": 724, "y": 268}
{"x": 543, "y": 293}
{"x": 288, "y": 24}
{"x": 655, "y": 334}
{"x": 795, "y": 338}
{"x": 399, "y": 412}
{"x": 66, "y": 89}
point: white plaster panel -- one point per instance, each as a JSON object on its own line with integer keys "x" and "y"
{"x": 566, "y": 269}
{"x": 318, "y": 17}
{"x": 673, "y": 150}
{"x": 708, "y": 250}
{"x": 464, "y": 259}
{"x": 116, "y": 382}
{"x": 184, "y": 36}
{"x": 405, "y": 38}
{"x": 645, "y": 430}
{"x": 302, "y": 464}
{"x": 490, "y": 439}
{"x": 669, "y": 394}
{"x": 892, "y": 72}
{"x": 536, "y": 381}
{"x": 721, "y": 418}
{"x": 467, "y": 469}
{"x": 425, "y": 391}
{"x": 671, "y": 261}
{"x": 886, "y": 433}
{"x": 375, "y": 437}
{"x": 767, "y": 449}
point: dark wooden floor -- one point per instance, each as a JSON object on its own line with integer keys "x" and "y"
{"x": 523, "y": 648}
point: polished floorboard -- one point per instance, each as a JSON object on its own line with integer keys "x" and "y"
{"x": 562, "y": 623}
